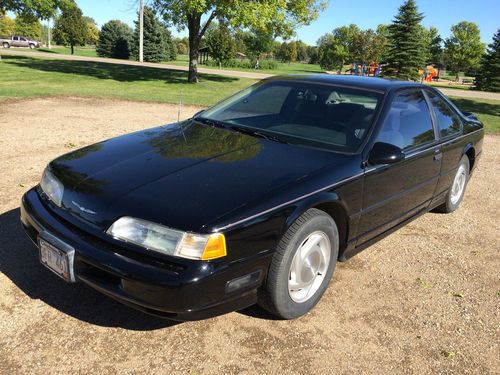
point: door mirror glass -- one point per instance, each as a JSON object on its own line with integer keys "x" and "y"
{"x": 385, "y": 153}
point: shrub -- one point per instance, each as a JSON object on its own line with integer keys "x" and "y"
{"x": 114, "y": 40}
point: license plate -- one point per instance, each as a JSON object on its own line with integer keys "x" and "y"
{"x": 57, "y": 257}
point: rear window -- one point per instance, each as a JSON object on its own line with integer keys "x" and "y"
{"x": 302, "y": 112}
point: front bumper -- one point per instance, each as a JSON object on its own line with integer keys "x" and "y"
{"x": 180, "y": 291}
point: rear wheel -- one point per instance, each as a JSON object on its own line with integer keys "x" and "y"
{"x": 302, "y": 266}
{"x": 457, "y": 189}
{"x": 6, "y": 45}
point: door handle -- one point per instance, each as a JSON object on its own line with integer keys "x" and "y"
{"x": 438, "y": 156}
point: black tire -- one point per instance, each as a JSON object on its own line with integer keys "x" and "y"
{"x": 32, "y": 46}
{"x": 449, "y": 206}
{"x": 6, "y": 45}
{"x": 275, "y": 296}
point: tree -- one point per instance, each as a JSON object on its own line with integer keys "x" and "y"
{"x": 287, "y": 52}
{"x": 407, "y": 48}
{"x": 463, "y": 49}
{"x": 278, "y": 17}
{"x": 70, "y": 28}
{"x": 181, "y": 44}
{"x": 312, "y": 53}
{"x": 256, "y": 43}
{"x": 435, "y": 46}
{"x": 332, "y": 54}
{"x": 29, "y": 26}
{"x": 92, "y": 31}
{"x": 488, "y": 77}
{"x": 40, "y": 9}
{"x": 220, "y": 43}
{"x": 114, "y": 40}
{"x": 368, "y": 46}
{"x": 301, "y": 51}
{"x": 157, "y": 39}
{"x": 7, "y": 26}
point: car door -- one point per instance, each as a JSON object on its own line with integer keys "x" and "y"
{"x": 23, "y": 42}
{"x": 449, "y": 127}
{"x": 395, "y": 192}
{"x": 15, "y": 41}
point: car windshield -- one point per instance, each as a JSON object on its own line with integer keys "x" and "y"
{"x": 299, "y": 112}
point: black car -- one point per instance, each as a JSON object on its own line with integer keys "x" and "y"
{"x": 255, "y": 199}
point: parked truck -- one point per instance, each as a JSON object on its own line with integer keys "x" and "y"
{"x": 20, "y": 41}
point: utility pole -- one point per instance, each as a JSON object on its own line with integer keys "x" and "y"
{"x": 48, "y": 34}
{"x": 141, "y": 30}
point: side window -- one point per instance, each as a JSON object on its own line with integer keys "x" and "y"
{"x": 16, "y": 38}
{"x": 448, "y": 121}
{"x": 408, "y": 123}
{"x": 23, "y": 39}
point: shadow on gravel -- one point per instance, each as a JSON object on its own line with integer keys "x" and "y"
{"x": 19, "y": 262}
{"x": 117, "y": 72}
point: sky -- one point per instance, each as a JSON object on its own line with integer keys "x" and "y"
{"x": 365, "y": 13}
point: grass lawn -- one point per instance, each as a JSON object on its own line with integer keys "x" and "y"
{"x": 79, "y": 51}
{"x": 283, "y": 68}
{"x": 22, "y": 76}
{"x": 488, "y": 111}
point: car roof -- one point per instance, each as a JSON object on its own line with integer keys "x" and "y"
{"x": 371, "y": 83}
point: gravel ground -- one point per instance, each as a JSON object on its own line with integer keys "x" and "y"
{"x": 423, "y": 300}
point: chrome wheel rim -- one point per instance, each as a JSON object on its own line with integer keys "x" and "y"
{"x": 309, "y": 267}
{"x": 457, "y": 189}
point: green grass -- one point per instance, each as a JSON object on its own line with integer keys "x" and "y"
{"x": 283, "y": 68}
{"x": 22, "y": 76}
{"x": 488, "y": 111}
{"x": 79, "y": 51}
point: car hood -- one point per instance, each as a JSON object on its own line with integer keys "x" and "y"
{"x": 183, "y": 175}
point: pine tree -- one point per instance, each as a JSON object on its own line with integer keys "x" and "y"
{"x": 407, "y": 48}
{"x": 158, "y": 44}
{"x": 114, "y": 40}
{"x": 488, "y": 78}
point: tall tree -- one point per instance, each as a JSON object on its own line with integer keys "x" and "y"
{"x": 7, "y": 26}
{"x": 435, "y": 46}
{"x": 407, "y": 48}
{"x": 278, "y": 17}
{"x": 92, "y": 31}
{"x": 157, "y": 39}
{"x": 70, "y": 28}
{"x": 28, "y": 25}
{"x": 114, "y": 40}
{"x": 220, "y": 43}
{"x": 368, "y": 46}
{"x": 488, "y": 77}
{"x": 301, "y": 51}
{"x": 255, "y": 43}
{"x": 287, "y": 52}
{"x": 332, "y": 54}
{"x": 463, "y": 49}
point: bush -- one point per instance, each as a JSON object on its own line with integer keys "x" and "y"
{"x": 245, "y": 64}
{"x": 114, "y": 40}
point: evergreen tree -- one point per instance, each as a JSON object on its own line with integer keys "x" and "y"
{"x": 114, "y": 40}
{"x": 407, "y": 48}
{"x": 158, "y": 45}
{"x": 488, "y": 78}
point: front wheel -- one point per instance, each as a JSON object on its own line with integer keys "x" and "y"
{"x": 302, "y": 266}
{"x": 32, "y": 46}
{"x": 457, "y": 189}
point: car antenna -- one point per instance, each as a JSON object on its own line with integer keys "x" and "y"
{"x": 179, "y": 114}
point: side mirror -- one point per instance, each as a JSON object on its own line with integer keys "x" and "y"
{"x": 385, "y": 153}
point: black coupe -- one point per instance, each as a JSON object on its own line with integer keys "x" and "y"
{"x": 255, "y": 199}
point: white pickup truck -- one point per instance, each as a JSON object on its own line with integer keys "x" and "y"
{"x": 20, "y": 41}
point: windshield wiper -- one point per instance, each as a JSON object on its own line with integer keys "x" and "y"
{"x": 240, "y": 129}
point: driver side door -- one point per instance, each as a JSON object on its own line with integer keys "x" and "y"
{"x": 397, "y": 191}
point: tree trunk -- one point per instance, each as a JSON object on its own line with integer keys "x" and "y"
{"x": 72, "y": 49}
{"x": 194, "y": 44}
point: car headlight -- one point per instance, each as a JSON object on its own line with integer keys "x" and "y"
{"x": 159, "y": 238}
{"x": 52, "y": 187}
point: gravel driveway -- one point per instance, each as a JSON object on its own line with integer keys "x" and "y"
{"x": 424, "y": 300}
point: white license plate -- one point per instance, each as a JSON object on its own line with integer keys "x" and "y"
{"x": 57, "y": 260}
